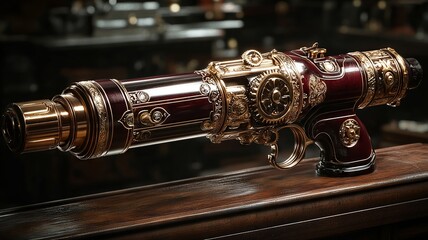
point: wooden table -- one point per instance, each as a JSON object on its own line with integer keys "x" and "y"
{"x": 249, "y": 204}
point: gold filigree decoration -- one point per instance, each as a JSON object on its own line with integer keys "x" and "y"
{"x": 317, "y": 90}
{"x": 238, "y": 110}
{"x": 349, "y": 132}
{"x": 288, "y": 68}
{"x": 370, "y": 78}
{"x": 209, "y": 88}
{"x": 101, "y": 110}
{"x": 386, "y": 77}
{"x": 256, "y": 95}
{"x": 138, "y": 97}
{"x": 273, "y": 96}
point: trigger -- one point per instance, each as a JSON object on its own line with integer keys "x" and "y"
{"x": 301, "y": 142}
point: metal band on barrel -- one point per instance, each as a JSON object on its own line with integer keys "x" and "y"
{"x": 369, "y": 76}
{"x": 100, "y": 131}
{"x": 385, "y": 77}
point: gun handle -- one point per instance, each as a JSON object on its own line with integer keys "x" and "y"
{"x": 345, "y": 144}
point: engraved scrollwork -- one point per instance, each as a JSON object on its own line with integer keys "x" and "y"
{"x": 101, "y": 109}
{"x": 289, "y": 70}
{"x": 388, "y": 70}
{"x": 209, "y": 88}
{"x": 264, "y": 91}
{"x": 370, "y": 78}
{"x": 305, "y": 101}
{"x": 349, "y": 132}
{"x": 238, "y": 110}
{"x": 263, "y": 136}
{"x": 317, "y": 90}
{"x": 386, "y": 77}
{"x": 273, "y": 96}
{"x": 239, "y": 107}
{"x": 138, "y": 97}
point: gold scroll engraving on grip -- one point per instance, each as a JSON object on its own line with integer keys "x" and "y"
{"x": 349, "y": 132}
{"x": 386, "y": 77}
{"x": 317, "y": 90}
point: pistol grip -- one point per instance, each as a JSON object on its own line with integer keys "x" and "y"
{"x": 345, "y": 144}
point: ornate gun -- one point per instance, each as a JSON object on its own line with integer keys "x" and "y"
{"x": 250, "y": 99}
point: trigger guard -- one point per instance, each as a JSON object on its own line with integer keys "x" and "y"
{"x": 300, "y": 144}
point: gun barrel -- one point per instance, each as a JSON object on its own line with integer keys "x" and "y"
{"x": 97, "y": 118}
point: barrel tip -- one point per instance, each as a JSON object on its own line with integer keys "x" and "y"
{"x": 11, "y": 129}
{"x": 415, "y": 73}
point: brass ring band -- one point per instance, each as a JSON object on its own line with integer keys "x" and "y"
{"x": 385, "y": 77}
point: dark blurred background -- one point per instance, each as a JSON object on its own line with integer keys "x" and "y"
{"x": 47, "y": 44}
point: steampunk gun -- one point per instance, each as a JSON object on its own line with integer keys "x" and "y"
{"x": 250, "y": 99}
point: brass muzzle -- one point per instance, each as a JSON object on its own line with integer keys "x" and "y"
{"x": 35, "y": 125}
{"x": 44, "y": 124}
{"x": 82, "y": 120}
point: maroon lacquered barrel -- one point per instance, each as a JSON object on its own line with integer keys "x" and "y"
{"x": 167, "y": 108}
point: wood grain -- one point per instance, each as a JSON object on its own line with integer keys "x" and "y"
{"x": 252, "y": 203}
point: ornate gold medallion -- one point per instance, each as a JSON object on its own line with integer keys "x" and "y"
{"x": 271, "y": 96}
{"x": 349, "y": 132}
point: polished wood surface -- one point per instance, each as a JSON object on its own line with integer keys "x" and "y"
{"x": 253, "y": 203}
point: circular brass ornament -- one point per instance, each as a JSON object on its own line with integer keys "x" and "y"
{"x": 271, "y": 96}
{"x": 349, "y": 132}
{"x": 389, "y": 78}
{"x": 205, "y": 89}
{"x": 252, "y": 58}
